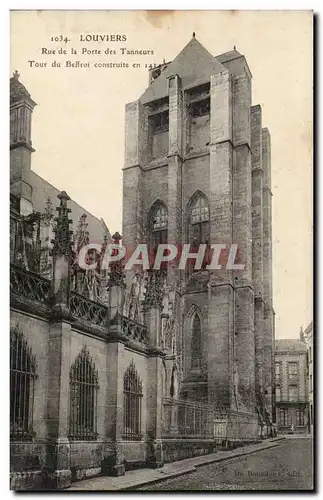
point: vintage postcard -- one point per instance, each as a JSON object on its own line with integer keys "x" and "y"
{"x": 160, "y": 250}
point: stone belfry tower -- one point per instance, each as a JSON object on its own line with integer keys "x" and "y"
{"x": 197, "y": 170}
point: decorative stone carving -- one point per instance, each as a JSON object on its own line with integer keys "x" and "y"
{"x": 62, "y": 255}
{"x": 17, "y": 90}
{"x": 62, "y": 244}
{"x": 46, "y": 233}
{"x": 168, "y": 335}
{"x": 116, "y": 271}
{"x": 135, "y": 298}
{"x": 155, "y": 287}
{"x": 81, "y": 237}
{"x": 85, "y": 282}
{"x": 29, "y": 284}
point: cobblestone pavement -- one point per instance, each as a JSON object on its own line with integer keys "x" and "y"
{"x": 285, "y": 467}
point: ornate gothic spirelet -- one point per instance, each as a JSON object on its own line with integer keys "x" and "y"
{"x": 62, "y": 241}
{"x": 48, "y": 214}
{"x": 81, "y": 235}
{"x": 116, "y": 271}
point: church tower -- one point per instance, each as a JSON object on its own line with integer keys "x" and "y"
{"x": 21, "y": 108}
{"x": 197, "y": 171}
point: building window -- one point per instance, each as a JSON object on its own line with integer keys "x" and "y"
{"x": 292, "y": 370}
{"x": 283, "y": 416}
{"x": 290, "y": 417}
{"x": 310, "y": 354}
{"x": 200, "y": 108}
{"x": 22, "y": 379}
{"x": 157, "y": 222}
{"x": 132, "y": 390}
{"x": 198, "y": 226}
{"x": 83, "y": 398}
{"x": 278, "y": 393}
{"x": 199, "y": 210}
{"x": 293, "y": 393}
{"x": 160, "y": 219}
{"x": 300, "y": 420}
{"x": 160, "y": 121}
{"x": 311, "y": 383}
{"x": 196, "y": 343}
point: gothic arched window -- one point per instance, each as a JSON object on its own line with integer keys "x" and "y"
{"x": 199, "y": 219}
{"x": 198, "y": 230}
{"x": 83, "y": 398}
{"x": 132, "y": 391}
{"x": 157, "y": 222}
{"x": 22, "y": 378}
{"x": 196, "y": 342}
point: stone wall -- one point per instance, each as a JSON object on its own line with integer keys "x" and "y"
{"x": 179, "y": 449}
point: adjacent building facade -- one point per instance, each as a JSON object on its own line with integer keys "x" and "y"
{"x": 308, "y": 337}
{"x": 291, "y": 381}
{"x": 113, "y": 369}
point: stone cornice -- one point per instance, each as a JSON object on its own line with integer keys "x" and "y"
{"x": 266, "y": 188}
{"x": 29, "y": 306}
{"x": 243, "y": 144}
{"x": 133, "y": 166}
{"x": 177, "y": 155}
{"x": 22, "y": 144}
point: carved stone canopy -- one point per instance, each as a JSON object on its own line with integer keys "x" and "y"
{"x": 18, "y": 91}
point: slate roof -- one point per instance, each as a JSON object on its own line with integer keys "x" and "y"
{"x": 194, "y": 65}
{"x": 42, "y": 190}
{"x": 291, "y": 345}
{"x": 228, "y": 56}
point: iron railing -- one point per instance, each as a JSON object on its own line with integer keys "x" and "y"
{"x": 22, "y": 378}
{"x": 132, "y": 391}
{"x": 191, "y": 419}
{"x": 83, "y": 399}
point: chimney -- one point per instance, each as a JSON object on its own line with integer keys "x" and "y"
{"x": 301, "y": 335}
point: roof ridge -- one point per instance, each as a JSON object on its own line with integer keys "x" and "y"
{"x": 193, "y": 55}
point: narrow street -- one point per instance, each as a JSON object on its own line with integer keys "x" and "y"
{"x": 287, "y": 466}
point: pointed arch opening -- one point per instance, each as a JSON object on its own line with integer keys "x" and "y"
{"x": 198, "y": 218}
{"x": 196, "y": 342}
{"x": 84, "y": 385}
{"x": 132, "y": 391}
{"x": 164, "y": 379}
{"x": 174, "y": 382}
{"x": 157, "y": 226}
{"x": 22, "y": 380}
{"x": 198, "y": 225}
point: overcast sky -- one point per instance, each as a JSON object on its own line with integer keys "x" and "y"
{"x": 78, "y": 125}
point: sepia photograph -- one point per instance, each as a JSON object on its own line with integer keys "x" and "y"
{"x": 161, "y": 250}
